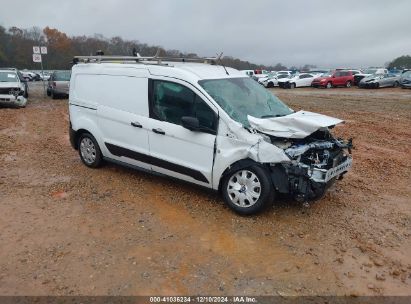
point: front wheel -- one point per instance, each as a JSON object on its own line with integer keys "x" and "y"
{"x": 248, "y": 191}
{"x": 396, "y": 84}
{"x": 292, "y": 85}
{"x": 329, "y": 85}
{"x": 89, "y": 151}
{"x": 270, "y": 85}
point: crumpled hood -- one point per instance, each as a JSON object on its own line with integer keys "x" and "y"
{"x": 296, "y": 125}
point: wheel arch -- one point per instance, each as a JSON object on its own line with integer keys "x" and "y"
{"x": 238, "y": 165}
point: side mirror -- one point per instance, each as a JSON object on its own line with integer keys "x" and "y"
{"x": 190, "y": 123}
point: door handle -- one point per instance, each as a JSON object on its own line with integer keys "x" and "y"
{"x": 136, "y": 124}
{"x": 159, "y": 131}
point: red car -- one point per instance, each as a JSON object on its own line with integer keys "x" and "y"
{"x": 338, "y": 78}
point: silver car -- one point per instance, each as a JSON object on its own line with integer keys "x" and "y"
{"x": 380, "y": 81}
{"x": 58, "y": 84}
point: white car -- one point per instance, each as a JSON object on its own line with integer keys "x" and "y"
{"x": 249, "y": 73}
{"x": 266, "y": 76}
{"x": 206, "y": 124}
{"x": 273, "y": 81}
{"x": 297, "y": 81}
{"x": 13, "y": 90}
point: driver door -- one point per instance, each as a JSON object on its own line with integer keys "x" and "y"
{"x": 175, "y": 150}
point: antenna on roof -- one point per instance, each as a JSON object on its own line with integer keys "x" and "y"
{"x": 221, "y": 63}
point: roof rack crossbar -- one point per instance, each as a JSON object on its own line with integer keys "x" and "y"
{"x": 142, "y": 59}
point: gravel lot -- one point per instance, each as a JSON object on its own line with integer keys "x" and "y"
{"x": 66, "y": 229}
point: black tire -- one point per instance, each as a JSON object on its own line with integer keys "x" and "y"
{"x": 53, "y": 95}
{"x": 292, "y": 85}
{"x": 265, "y": 190}
{"x": 48, "y": 92}
{"x": 348, "y": 84}
{"x": 94, "y": 158}
{"x": 270, "y": 85}
{"x": 396, "y": 84}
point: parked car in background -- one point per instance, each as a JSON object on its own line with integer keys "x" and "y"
{"x": 335, "y": 79}
{"x": 12, "y": 89}
{"x": 405, "y": 80}
{"x": 296, "y": 81}
{"x": 266, "y": 76}
{"x": 288, "y": 73}
{"x": 259, "y": 74}
{"x": 380, "y": 81}
{"x": 369, "y": 72}
{"x": 249, "y": 73}
{"x": 273, "y": 81}
{"x": 27, "y": 75}
{"x": 58, "y": 84}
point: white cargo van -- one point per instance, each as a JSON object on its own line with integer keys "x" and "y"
{"x": 202, "y": 123}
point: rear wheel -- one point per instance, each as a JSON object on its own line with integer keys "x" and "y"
{"x": 270, "y": 85}
{"x": 348, "y": 84}
{"x": 248, "y": 191}
{"x": 396, "y": 84}
{"x": 292, "y": 85}
{"x": 329, "y": 85}
{"x": 89, "y": 151}
{"x": 53, "y": 95}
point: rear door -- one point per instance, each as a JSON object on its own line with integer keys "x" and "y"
{"x": 175, "y": 150}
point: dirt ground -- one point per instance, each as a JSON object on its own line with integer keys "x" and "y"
{"x": 66, "y": 229}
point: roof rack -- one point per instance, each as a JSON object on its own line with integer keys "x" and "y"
{"x": 142, "y": 59}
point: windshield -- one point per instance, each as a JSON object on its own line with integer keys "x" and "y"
{"x": 8, "y": 77}
{"x": 407, "y": 75}
{"x": 240, "y": 97}
{"x": 370, "y": 71}
{"x": 62, "y": 76}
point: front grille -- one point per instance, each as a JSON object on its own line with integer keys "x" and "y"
{"x": 5, "y": 91}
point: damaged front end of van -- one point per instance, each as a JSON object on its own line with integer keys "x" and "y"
{"x": 303, "y": 157}
{"x": 316, "y": 157}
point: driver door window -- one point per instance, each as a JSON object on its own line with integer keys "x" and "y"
{"x": 171, "y": 101}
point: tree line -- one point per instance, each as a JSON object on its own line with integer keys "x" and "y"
{"x": 16, "y": 48}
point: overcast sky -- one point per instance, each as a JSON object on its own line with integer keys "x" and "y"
{"x": 326, "y": 33}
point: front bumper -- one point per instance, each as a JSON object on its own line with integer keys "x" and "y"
{"x": 307, "y": 183}
{"x": 318, "y": 84}
{"x": 284, "y": 85}
{"x": 324, "y": 176}
{"x": 13, "y": 100}
{"x": 368, "y": 85}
